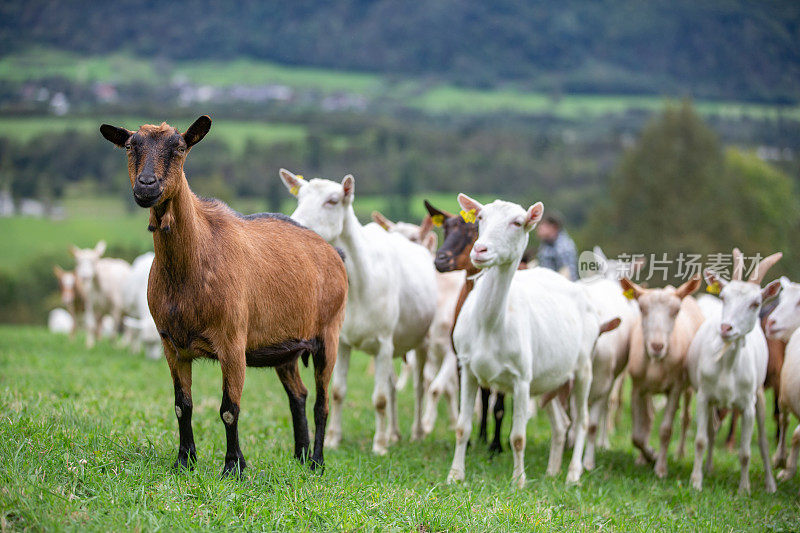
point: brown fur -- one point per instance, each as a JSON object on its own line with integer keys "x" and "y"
{"x": 235, "y": 288}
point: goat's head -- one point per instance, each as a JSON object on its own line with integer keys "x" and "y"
{"x": 742, "y": 300}
{"x": 322, "y": 205}
{"x": 156, "y": 155}
{"x": 785, "y": 318}
{"x": 459, "y": 236}
{"x": 503, "y": 229}
{"x": 659, "y": 308}
{"x": 86, "y": 262}
{"x": 421, "y": 234}
{"x": 66, "y": 285}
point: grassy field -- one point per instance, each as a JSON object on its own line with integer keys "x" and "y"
{"x": 87, "y": 438}
{"x": 235, "y": 133}
{"x": 421, "y": 94}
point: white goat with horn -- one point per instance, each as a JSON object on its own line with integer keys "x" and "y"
{"x": 727, "y": 365}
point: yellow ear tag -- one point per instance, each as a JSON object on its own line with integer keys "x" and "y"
{"x": 294, "y": 190}
{"x": 468, "y": 216}
{"x": 629, "y": 294}
{"x": 437, "y": 220}
{"x": 714, "y": 288}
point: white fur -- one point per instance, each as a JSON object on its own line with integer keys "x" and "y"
{"x": 390, "y": 303}
{"x": 524, "y": 333}
{"x": 100, "y": 281}
{"x": 711, "y": 306}
{"x": 729, "y": 372}
{"x": 60, "y": 321}
{"x": 140, "y": 329}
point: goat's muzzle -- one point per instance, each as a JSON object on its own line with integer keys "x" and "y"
{"x": 444, "y": 262}
{"x": 147, "y": 191}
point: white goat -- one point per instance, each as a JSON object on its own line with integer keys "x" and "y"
{"x": 523, "y": 332}
{"x": 783, "y": 325}
{"x": 440, "y": 375}
{"x": 100, "y": 282}
{"x": 657, "y": 362}
{"x": 140, "y": 329}
{"x": 610, "y": 355}
{"x": 727, "y": 365}
{"x": 711, "y": 306}
{"x": 390, "y": 304}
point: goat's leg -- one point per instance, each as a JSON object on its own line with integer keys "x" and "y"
{"x": 701, "y": 439}
{"x": 686, "y": 420}
{"x": 333, "y": 435}
{"x": 91, "y": 323}
{"x": 665, "y": 431}
{"x": 711, "y": 433}
{"x": 763, "y": 447}
{"x": 791, "y": 463}
{"x": 498, "y": 412}
{"x": 519, "y": 423}
{"x": 613, "y": 411}
{"x": 779, "y": 459}
{"x": 730, "y": 440}
{"x": 580, "y": 395}
{"x": 748, "y": 418}
{"x": 419, "y": 391}
{"x": 289, "y": 374}
{"x": 482, "y": 426}
{"x": 558, "y": 435}
{"x": 232, "y": 361}
{"x": 469, "y": 387}
{"x": 642, "y": 420}
{"x": 182, "y": 380}
{"x": 324, "y": 363}
{"x": 394, "y": 420}
{"x": 381, "y": 397}
{"x": 596, "y": 419}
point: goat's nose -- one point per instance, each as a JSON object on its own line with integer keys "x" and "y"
{"x": 146, "y": 179}
{"x": 725, "y": 328}
{"x": 480, "y": 248}
{"x": 657, "y": 346}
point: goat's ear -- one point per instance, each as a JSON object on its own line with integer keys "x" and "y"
{"x": 426, "y": 227}
{"x": 598, "y": 252}
{"x": 349, "y": 186}
{"x": 100, "y": 248}
{"x": 58, "y": 271}
{"x": 610, "y": 325}
{"x": 432, "y": 211}
{"x": 430, "y": 241}
{"x": 291, "y": 181}
{"x": 713, "y": 280}
{"x": 382, "y": 221}
{"x": 197, "y": 131}
{"x": 689, "y": 287}
{"x": 630, "y": 288}
{"x": 534, "y": 215}
{"x": 118, "y": 136}
{"x": 771, "y": 290}
{"x": 468, "y": 204}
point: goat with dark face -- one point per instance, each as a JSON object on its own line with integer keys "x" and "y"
{"x": 257, "y": 290}
{"x": 453, "y": 254}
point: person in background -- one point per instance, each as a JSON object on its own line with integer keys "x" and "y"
{"x": 557, "y": 250}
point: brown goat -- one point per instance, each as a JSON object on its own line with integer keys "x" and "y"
{"x": 257, "y": 290}
{"x": 71, "y": 295}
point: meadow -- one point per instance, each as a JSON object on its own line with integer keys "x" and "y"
{"x": 87, "y": 438}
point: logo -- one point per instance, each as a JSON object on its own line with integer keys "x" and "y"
{"x": 591, "y": 265}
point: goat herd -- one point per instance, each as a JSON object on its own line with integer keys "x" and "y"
{"x": 268, "y": 290}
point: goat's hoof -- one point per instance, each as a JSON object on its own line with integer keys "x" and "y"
{"x": 379, "y": 449}
{"x": 697, "y": 482}
{"x": 395, "y": 437}
{"x": 234, "y": 468}
{"x": 317, "y": 464}
{"x": 769, "y": 485}
{"x": 552, "y": 471}
{"x": 784, "y": 475}
{"x": 588, "y": 464}
{"x": 495, "y": 448}
{"x": 573, "y": 476}
{"x": 661, "y": 470}
{"x": 455, "y": 476}
{"x": 744, "y": 489}
{"x": 184, "y": 463}
{"x": 641, "y": 460}
{"x": 778, "y": 461}
{"x": 519, "y": 481}
{"x": 332, "y": 440}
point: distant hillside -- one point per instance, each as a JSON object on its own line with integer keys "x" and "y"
{"x": 714, "y": 49}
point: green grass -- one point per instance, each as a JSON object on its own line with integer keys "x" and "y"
{"x": 235, "y": 133}
{"x": 87, "y": 438}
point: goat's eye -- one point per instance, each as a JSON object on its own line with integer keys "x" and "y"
{"x": 516, "y": 223}
{"x": 332, "y": 201}
{"x": 128, "y": 147}
{"x": 754, "y": 305}
{"x": 180, "y": 149}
